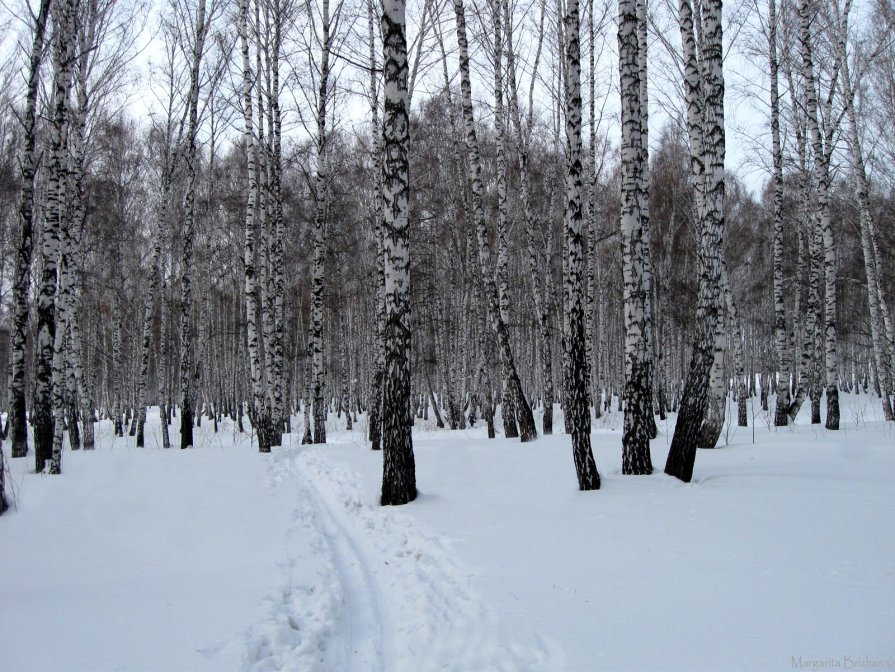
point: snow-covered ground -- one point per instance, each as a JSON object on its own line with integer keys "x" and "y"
{"x": 780, "y": 555}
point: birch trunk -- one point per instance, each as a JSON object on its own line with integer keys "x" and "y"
{"x": 524, "y": 415}
{"x": 149, "y": 313}
{"x": 54, "y": 221}
{"x": 321, "y": 196}
{"x": 585, "y": 467}
{"x": 70, "y": 232}
{"x": 593, "y": 279}
{"x": 186, "y": 287}
{"x": 704, "y": 88}
{"x": 22, "y": 281}
{"x": 822, "y": 180}
{"x": 3, "y": 503}
{"x": 635, "y": 439}
{"x": 535, "y": 268}
{"x": 258, "y": 415}
{"x": 737, "y": 338}
{"x": 646, "y": 277}
{"x": 378, "y": 364}
{"x": 881, "y": 354}
{"x": 279, "y": 412}
{"x": 781, "y": 415}
{"x": 508, "y": 410}
{"x": 398, "y": 468}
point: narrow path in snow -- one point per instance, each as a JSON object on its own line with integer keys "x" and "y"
{"x": 363, "y": 645}
{"x": 370, "y": 589}
{"x": 409, "y": 604}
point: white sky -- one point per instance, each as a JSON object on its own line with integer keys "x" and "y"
{"x": 746, "y": 85}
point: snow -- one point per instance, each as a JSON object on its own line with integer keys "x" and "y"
{"x": 780, "y": 552}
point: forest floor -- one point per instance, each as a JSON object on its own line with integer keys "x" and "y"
{"x": 779, "y": 555}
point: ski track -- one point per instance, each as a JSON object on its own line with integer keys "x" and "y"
{"x": 388, "y": 595}
{"x": 429, "y": 616}
{"x": 363, "y": 645}
{"x": 301, "y": 616}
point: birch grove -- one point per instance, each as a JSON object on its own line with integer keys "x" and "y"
{"x": 422, "y": 216}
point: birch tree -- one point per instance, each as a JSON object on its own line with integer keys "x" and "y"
{"x": 196, "y": 45}
{"x": 259, "y": 410}
{"x": 638, "y": 406}
{"x": 876, "y": 301}
{"x": 3, "y": 503}
{"x": 508, "y": 409}
{"x": 585, "y": 467}
{"x": 704, "y": 91}
{"x": 321, "y": 203}
{"x": 22, "y": 281}
{"x": 171, "y": 136}
{"x": 524, "y": 417}
{"x": 64, "y": 19}
{"x": 398, "y": 467}
{"x": 820, "y": 144}
{"x": 781, "y": 341}
{"x": 90, "y": 20}
{"x": 374, "y": 413}
{"x": 523, "y": 130}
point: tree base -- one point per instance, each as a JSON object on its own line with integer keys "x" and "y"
{"x": 832, "y": 422}
{"x": 186, "y": 427}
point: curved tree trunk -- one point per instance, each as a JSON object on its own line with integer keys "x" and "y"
{"x": 704, "y": 87}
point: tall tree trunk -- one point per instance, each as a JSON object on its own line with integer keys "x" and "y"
{"x": 535, "y": 268}
{"x": 374, "y": 413}
{"x": 593, "y": 274}
{"x": 3, "y": 503}
{"x": 186, "y": 286}
{"x": 646, "y": 277}
{"x": 822, "y": 180}
{"x": 704, "y": 88}
{"x": 258, "y": 414}
{"x": 22, "y": 280}
{"x": 117, "y": 367}
{"x": 149, "y": 312}
{"x": 635, "y": 439}
{"x": 881, "y": 354}
{"x": 70, "y": 232}
{"x": 524, "y": 416}
{"x": 279, "y": 411}
{"x": 585, "y": 467}
{"x": 321, "y": 200}
{"x": 737, "y": 338}
{"x": 64, "y": 48}
{"x": 398, "y": 467}
{"x": 781, "y": 415}
{"x": 508, "y": 410}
